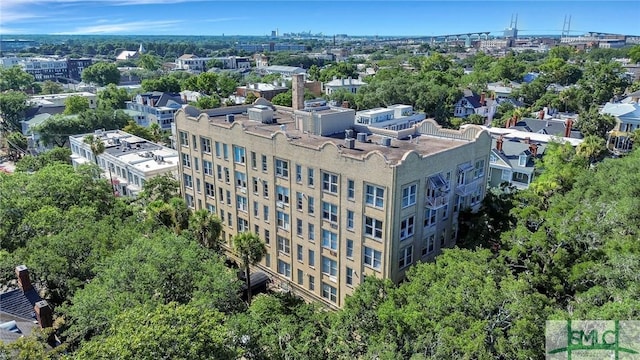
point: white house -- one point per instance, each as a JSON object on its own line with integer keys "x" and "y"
{"x": 128, "y": 161}
{"x": 349, "y": 84}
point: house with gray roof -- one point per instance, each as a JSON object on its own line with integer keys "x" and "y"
{"x": 627, "y": 115}
{"x": 513, "y": 161}
{"x": 472, "y": 103}
{"x": 555, "y": 127}
{"x": 155, "y": 107}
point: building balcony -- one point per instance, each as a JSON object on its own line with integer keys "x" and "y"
{"x": 436, "y": 202}
{"x": 468, "y": 189}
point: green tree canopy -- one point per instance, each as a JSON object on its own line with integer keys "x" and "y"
{"x": 76, "y": 104}
{"x": 112, "y": 97}
{"x": 12, "y": 107}
{"x": 14, "y": 78}
{"x": 101, "y": 73}
{"x": 50, "y": 87}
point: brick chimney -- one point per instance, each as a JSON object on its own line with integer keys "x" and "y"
{"x": 499, "y": 142}
{"x": 482, "y": 98}
{"x": 297, "y": 84}
{"x": 44, "y": 314}
{"x": 533, "y": 148}
{"x": 22, "y": 273}
{"x": 568, "y": 124}
{"x": 541, "y": 114}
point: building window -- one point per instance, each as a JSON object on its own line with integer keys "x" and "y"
{"x": 264, "y": 163}
{"x": 349, "y": 248}
{"x": 265, "y": 189}
{"x": 184, "y": 139}
{"x": 188, "y": 182}
{"x": 211, "y": 208}
{"x": 225, "y": 151}
{"x": 372, "y": 258}
{"x": 349, "y": 276}
{"x": 254, "y": 181}
{"x": 205, "y": 144}
{"x": 405, "y": 257}
{"x": 373, "y": 227}
{"x": 284, "y": 268}
{"x": 479, "y": 169}
{"x": 299, "y": 251}
{"x": 282, "y": 168}
{"x": 265, "y": 209}
{"x": 256, "y": 210}
{"x": 312, "y": 283}
{"x": 238, "y": 154}
{"x": 312, "y": 258}
{"x": 228, "y": 197}
{"x": 350, "y": 221}
{"x": 219, "y": 172}
{"x": 429, "y": 244}
{"x": 207, "y": 167}
{"x": 430, "y": 217}
{"x": 409, "y": 195}
{"x": 330, "y": 182}
{"x": 445, "y": 212}
{"x": 330, "y": 212}
{"x": 283, "y": 245}
{"x": 299, "y": 226}
{"x": 217, "y": 145}
{"x": 186, "y": 162}
{"x": 227, "y": 178}
{"x": 310, "y": 176}
{"x": 243, "y": 225}
{"x": 311, "y": 205}
{"x": 299, "y": 201}
{"x": 443, "y": 238}
{"x": 283, "y": 220}
{"x": 282, "y": 194}
{"x": 329, "y": 292}
{"x": 374, "y": 196}
{"x": 329, "y": 267}
{"x": 210, "y": 189}
{"x": 267, "y": 237}
{"x": 190, "y": 201}
{"x": 241, "y": 180}
{"x": 300, "y": 277}
{"x": 298, "y": 173}
{"x": 407, "y": 227}
{"x": 241, "y": 203}
{"x": 476, "y": 197}
{"x": 254, "y": 161}
{"x": 351, "y": 189}
{"x": 267, "y": 260}
{"x": 329, "y": 240}
{"x": 312, "y": 232}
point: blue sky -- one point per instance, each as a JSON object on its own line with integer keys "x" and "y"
{"x": 194, "y": 17}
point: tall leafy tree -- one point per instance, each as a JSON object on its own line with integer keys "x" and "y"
{"x": 12, "y": 107}
{"x": 250, "y": 249}
{"x": 50, "y": 87}
{"x": 592, "y": 122}
{"x": 112, "y": 97}
{"x": 14, "y": 78}
{"x": 76, "y": 104}
{"x": 206, "y": 228}
{"x": 101, "y": 73}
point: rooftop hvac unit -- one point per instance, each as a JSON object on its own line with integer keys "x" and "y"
{"x": 362, "y": 137}
{"x": 350, "y": 143}
{"x": 348, "y": 134}
{"x": 386, "y": 141}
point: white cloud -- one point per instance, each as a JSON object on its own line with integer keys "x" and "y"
{"x": 129, "y": 27}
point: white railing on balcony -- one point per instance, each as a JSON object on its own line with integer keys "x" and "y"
{"x": 435, "y": 202}
{"x": 466, "y": 189}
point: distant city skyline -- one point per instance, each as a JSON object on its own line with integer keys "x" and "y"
{"x": 384, "y": 18}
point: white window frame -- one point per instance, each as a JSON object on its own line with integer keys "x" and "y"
{"x": 374, "y": 195}
{"x": 409, "y": 195}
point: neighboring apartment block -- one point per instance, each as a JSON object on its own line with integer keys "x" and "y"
{"x": 45, "y": 68}
{"x": 332, "y": 204}
{"x": 155, "y": 107}
{"x": 129, "y": 161}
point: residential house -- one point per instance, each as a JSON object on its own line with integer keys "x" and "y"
{"x": 332, "y": 204}
{"x": 286, "y": 71}
{"x": 22, "y": 310}
{"x": 502, "y": 90}
{"x": 128, "y": 160}
{"x": 472, "y": 103}
{"x": 267, "y": 91}
{"x": 513, "y": 161}
{"x": 157, "y": 108}
{"x": 192, "y": 62}
{"x": 349, "y": 84}
{"x": 555, "y": 127}
{"x": 627, "y": 115}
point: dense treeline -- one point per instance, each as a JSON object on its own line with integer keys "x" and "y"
{"x": 142, "y": 279}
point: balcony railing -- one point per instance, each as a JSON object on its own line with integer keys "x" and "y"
{"x": 467, "y": 189}
{"x": 436, "y": 202}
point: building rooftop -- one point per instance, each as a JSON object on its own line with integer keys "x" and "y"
{"x": 142, "y": 154}
{"x": 425, "y": 138}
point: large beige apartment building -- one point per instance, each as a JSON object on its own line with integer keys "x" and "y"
{"x": 333, "y": 199}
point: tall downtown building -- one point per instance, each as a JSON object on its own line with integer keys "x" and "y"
{"x": 335, "y": 195}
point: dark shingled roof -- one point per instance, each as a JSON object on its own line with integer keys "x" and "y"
{"x": 19, "y": 304}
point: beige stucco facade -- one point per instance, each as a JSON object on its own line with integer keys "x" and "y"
{"x": 335, "y": 214}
